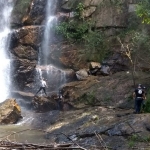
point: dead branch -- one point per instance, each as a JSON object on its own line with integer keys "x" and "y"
{"x": 126, "y": 50}
{"x": 103, "y": 144}
{"x": 20, "y": 146}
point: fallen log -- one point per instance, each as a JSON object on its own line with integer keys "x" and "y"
{"x": 24, "y": 146}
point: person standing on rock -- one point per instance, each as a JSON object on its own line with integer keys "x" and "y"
{"x": 139, "y": 96}
{"x": 43, "y": 86}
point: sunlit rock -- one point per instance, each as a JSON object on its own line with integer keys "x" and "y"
{"x": 94, "y": 65}
{"x": 10, "y": 112}
{"x": 82, "y": 74}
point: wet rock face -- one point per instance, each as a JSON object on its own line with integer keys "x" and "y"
{"x": 10, "y": 112}
{"x": 24, "y": 54}
{"x": 20, "y": 10}
{"x": 29, "y": 12}
{"x": 36, "y": 13}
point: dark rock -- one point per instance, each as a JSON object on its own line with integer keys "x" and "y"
{"x": 44, "y": 104}
{"x": 105, "y": 70}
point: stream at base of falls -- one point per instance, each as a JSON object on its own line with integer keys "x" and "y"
{"x": 31, "y": 128}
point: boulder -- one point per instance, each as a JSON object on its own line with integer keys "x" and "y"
{"x": 43, "y": 104}
{"x": 94, "y": 65}
{"x": 10, "y": 112}
{"x": 82, "y": 74}
{"x": 117, "y": 62}
{"x": 105, "y": 70}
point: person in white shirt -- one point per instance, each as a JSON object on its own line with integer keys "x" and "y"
{"x": 42, "y": 86}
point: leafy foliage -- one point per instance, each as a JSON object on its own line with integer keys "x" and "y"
{"x": 79, "y": 10}
{"x": 72, "y": 30}
{"x": 88, "y": 98}
{"x": 147, "y": 104}
{"x": 94, "y": 43}
{"x": 143, "y": 11}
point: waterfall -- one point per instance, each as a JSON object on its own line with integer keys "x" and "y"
{"x": 54, "y": 76}
{"x": 6, "y": 7}
{"x": 47, "y": 39}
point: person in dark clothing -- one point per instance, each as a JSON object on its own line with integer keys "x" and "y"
{"x": 43, "y": 86}
{"x": 139, "y": 96}
{"x": 60, "y": 100}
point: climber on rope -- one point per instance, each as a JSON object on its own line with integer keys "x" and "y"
{"x": 43, "y": 86}
{"x": 139, "y": 96}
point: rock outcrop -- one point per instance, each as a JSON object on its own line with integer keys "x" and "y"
{"x": 10, "y": 112}
{"x": 43, "y": 104}
{"x": 28, "y": 20}
{"x": 24, "y": 54}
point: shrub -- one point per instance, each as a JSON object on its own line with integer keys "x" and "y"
{"x": 147, "y": 104}
{"x": 88, "y": 98}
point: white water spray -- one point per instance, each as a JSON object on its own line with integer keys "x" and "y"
{"x": 6, "y": 7}
{"x": 55, "y": 77}
{"x": 50, "y": 21}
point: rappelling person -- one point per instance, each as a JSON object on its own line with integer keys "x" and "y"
{"x": 139, "y": 96}
{"x": 43, "y": 86}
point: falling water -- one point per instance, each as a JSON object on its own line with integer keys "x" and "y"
{"x": 6, "y": 7}
{"x": 50, "y": 21}
{"x": 54, "y": 76}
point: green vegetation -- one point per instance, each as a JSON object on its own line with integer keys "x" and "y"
{"x": 96, "y": 45}
{"x": 132, "y": 140}
{"x": 88, "y": 98}
{"x": 137, "y": 138}
{"x": 146, "y": 108}
{"x": 94, "y": 42}
{"x": 72, "y": 30}
{"x": 79, "y": 10}
{"x": 143, "y": 11}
